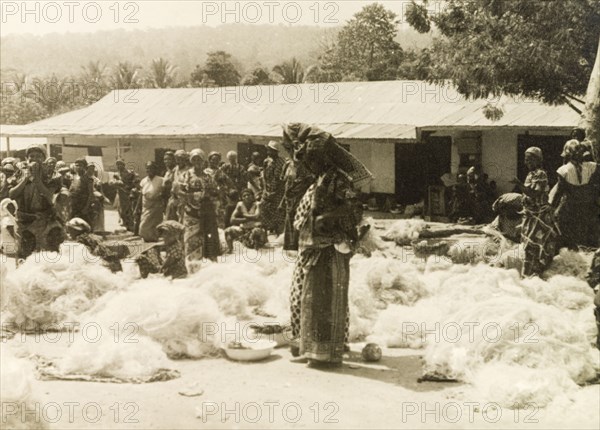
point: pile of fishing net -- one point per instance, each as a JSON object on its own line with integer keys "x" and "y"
{"x": 247, "y": 283}
{"x": 478, "y": 320}
{"x": 184, "y": 320}
{"x": 112, "y": 357}
{"x": 569, "y": 263}
{"x": 403, "y": 232}
{"x": 53, "y": 288}
{"x": 18, "y": 397}
{"x": 392, "y": 282}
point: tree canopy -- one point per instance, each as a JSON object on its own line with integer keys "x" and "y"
{"x": 219, "y": 68}
{"x": 542, "y": 49}
{"x": 365, "y": 48}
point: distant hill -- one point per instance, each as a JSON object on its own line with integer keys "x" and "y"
{"x": 65, "y": 53}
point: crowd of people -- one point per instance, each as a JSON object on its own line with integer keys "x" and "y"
{"x": 546, "y": 220}
{"x": 308, "y": 194}
{"x": 48, "y": 193}
{"x": 200, "y": 192}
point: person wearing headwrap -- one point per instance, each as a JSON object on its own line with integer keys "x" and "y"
{"x": 538, "y": 231}
{"x": 235, "y": 171}
{"x": 125, "y": 181}
{"x": 272, "y": 215}
{"x": 65, "y": 174}
{"x": 153, "y": 206}
{"x": 327, "y": 219}
{"x": 245, "y": 224}
{"x": 80, "y": 231}
{"x": 38, "y": 227}
{"x": 224, "y": 185}
{"x": 174, "y": 210}
{"x": 8, "y": 177}
{"x": 297, "y": 178}
{"x": 508, "y": 207}
{"x": 168, "y": 256}
{"x": 575, "y": 198}
{"x": 198, "y": 191}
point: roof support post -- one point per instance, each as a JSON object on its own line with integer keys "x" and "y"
{"x": 62, "y": 148}
{"x": 47, "y": 148}
{"x": 7, "y": 146}
{"x": 118, "y": 149}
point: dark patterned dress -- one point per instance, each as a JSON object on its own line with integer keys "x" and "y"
{"x": 297, "y": 179}
{"x": 94, "y": 244}
{"x": 327, "y": 220}
{"x": 538, "y": 232}
{"x": 126, "y": 182}
{"x": 201, "y": 236}
{"x": 272, "y": 214}
{"x": 172, "y": 265}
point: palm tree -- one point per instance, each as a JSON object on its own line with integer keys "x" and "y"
{"x": 20, "y": 80}
{"x": 162, "y": 73}
{"x": 94, "y": 72}
{"x": 289, "y": 72}
{"x": 54, "y": 93}
{"x": 125, "y": 76}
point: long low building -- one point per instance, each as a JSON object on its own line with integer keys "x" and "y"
{"x": 409, "y": 133}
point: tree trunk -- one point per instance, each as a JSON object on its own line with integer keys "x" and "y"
{"x": 590, "y": 119}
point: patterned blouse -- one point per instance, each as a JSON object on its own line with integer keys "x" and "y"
{"x": 202, "y": 188}
{"x": 536, "y": 180}
{"x": 329, "y": 212}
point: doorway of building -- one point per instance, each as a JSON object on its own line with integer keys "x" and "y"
{"x": 420, "y": 165}
{"x": 551, "y": 146}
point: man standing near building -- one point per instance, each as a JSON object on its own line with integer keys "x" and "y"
{"x": 38, "y": 227}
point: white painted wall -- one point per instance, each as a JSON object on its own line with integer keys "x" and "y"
{"x": 379, "y": 158}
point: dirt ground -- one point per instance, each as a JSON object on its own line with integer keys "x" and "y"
{"x": 278, "y": 393}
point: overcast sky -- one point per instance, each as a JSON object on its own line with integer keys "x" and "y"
{"x": 43, "y": 17}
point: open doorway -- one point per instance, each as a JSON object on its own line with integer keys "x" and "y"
{"x": 420, "y": 165}
{"x": 551, "y": 146}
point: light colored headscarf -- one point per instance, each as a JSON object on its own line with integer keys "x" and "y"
{"x": 197, "y": 153}
{"x": 536, "y": 152}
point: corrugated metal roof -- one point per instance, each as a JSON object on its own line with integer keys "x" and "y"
{"x": 353, "y": 110}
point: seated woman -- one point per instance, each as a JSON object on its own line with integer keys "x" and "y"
{"x": 172, "y": 265}
{"x": 245, "y": 224}
{"x": 80, "y": 231}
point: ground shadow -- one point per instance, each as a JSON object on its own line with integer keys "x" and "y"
{"x": 404, "y": 371}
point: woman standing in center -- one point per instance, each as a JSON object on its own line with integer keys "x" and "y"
{"x": 199, "y": 192}
{"x": 327, "y": 219}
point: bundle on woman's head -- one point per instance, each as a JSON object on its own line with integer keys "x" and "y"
{"x": 312, "y": 141}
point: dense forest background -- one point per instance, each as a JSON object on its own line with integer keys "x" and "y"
{"x": 268, "y": 45}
